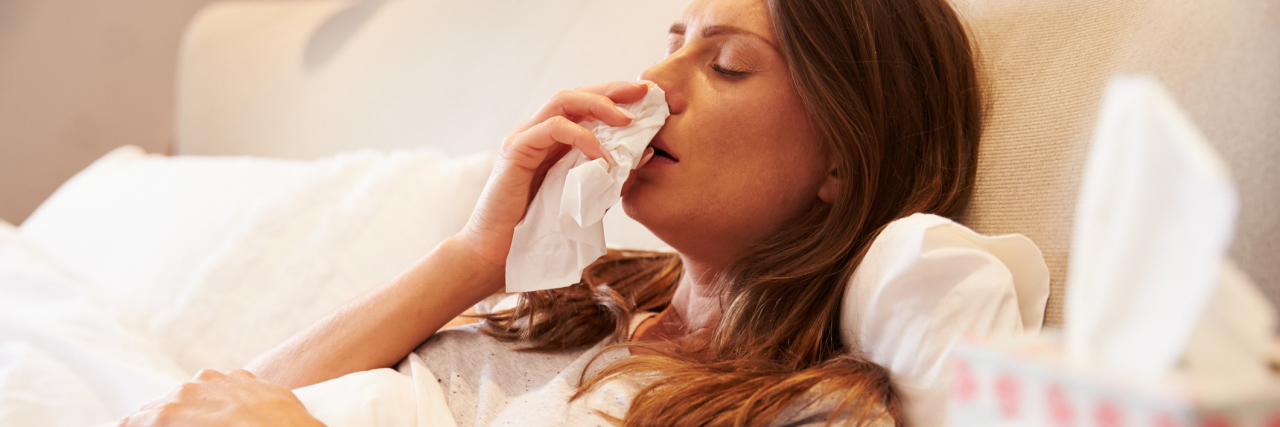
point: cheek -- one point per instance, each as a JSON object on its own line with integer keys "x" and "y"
{"x": 768, "y": 167}
{"x": 749, "y": 166}
{"x": 769, "y": 151}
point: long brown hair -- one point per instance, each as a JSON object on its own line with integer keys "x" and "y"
{"x": 891, "y": 87}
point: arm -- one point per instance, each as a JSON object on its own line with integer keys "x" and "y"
{"x": 380, "y": 327}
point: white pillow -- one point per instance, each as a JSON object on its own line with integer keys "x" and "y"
{"x": 925, "y": 282}
{"x": 356, "y": 220}
{"x": 7, "y": 231}
{"x": 135, "y": 225}
{"x": 65, "y": 357}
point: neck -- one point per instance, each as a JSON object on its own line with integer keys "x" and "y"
{"x": 695, "y": 308}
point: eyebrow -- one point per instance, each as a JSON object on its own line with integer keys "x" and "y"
{"x": 718, "y": 30}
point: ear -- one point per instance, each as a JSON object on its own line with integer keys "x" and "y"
{"x": 830, "y": 186}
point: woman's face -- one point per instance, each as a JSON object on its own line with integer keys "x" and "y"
{"x": 744, "y": 159}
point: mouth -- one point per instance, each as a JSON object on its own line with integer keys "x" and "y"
{"x": 658, "y": 152}
{"x": 661, "y": 153}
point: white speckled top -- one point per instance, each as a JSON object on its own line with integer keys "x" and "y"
{"x": 488, "y": 383}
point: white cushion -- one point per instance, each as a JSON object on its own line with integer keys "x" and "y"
{"x": 7, "y": 231}
{"x": 134, "y": 225}
{"x": 355, "y": 221}
{"x": 927, "y": 281}
{"x": 223, "y": 257}
{"x": 66, "y": 359}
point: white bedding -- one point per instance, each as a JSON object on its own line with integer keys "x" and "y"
{"x": 66, "y": 358}
{"x": 78, "y": 349}
{"x": 143, "y": 269}
{"x": 408, "y": 396}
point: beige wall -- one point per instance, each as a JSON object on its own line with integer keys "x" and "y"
{"x": 78, "y": 78}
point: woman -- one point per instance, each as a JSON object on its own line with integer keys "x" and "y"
{"x": 798, "y": 129}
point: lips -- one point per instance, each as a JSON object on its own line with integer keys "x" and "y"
{"x": 662, "y": 151}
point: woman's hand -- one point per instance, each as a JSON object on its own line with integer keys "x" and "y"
{"x": 531, "y": 149}
{"x": 213, "y": 399}
{"x": 376, "y": 329}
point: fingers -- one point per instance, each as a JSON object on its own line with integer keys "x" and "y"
{"x": 207, "y": 375}
{"x": 619, "y": 92}
{"x": 549, "y": 125}
{"x": 596, "y": 101}
{"x": 143, "y": 418}
{"x": 242, "y": 374}
{"x": 529, "y": 148}
{"x": 213, "y": 398}
{"x": 648, "y": 154}
{"x": 533, "y": 148}
{"x": 579, "y": 105}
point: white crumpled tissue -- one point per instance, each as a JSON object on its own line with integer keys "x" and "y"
{"x": 562, "y": 233}
{"x": 1149, "y": 285}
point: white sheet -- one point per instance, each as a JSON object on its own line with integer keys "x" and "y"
{"x": 409, "y": 396}
{"x": 134, "y": 225}
{"x": 69, "y": 358}
{"x": 66, "y": 358}
{"x": 355, "y": 221}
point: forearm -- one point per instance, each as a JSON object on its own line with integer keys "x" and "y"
{"x": 381, "y": 326}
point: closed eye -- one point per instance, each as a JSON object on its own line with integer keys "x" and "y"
{"x": 727, "y": 72}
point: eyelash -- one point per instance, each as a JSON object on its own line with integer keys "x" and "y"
{"x": 728, "y": 72}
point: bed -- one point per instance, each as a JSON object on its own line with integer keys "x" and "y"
{"x": 321, "y": 146}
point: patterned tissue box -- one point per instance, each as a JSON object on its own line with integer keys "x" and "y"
{"x": 1028, "y": 382}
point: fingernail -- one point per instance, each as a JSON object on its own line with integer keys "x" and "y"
{"x": 648, "y": 154}
{"x": 624, "y": 111}
{"x": 608, "y": 158}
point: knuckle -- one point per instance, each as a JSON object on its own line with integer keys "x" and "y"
{"x": 207, "y": 374}
{"x": 187, "y": 390}
{"x": 166, "y": 413}
{"x": 559, "y": 121}
{"x": 562, "y": 96}
{"x": 241, "y": 373}
{"x": 509, "y": 141}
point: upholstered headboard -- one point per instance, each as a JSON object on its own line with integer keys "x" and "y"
{"x": 303, "y": 79}
{"x": 1048, "y": 62}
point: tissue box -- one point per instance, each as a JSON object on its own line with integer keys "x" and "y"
{"x": 1028, "y": 382}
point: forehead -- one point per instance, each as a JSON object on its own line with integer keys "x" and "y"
{"x": 749, "y": 15}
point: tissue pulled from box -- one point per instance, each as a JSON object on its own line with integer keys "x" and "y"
{"x": 1155, "y": 217}
{"x": 1230, "y": 347}
{"x": 562, "y": 233}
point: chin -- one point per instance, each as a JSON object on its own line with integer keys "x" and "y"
{"x": 641, "y": 204}
{"x": 634, "y": 206}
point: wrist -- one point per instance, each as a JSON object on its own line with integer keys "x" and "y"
{"x": 488, "y": 272}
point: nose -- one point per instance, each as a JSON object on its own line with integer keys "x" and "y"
{"x": 672, "y": 76}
